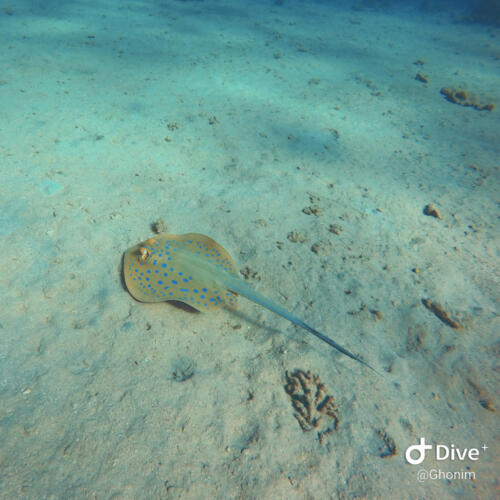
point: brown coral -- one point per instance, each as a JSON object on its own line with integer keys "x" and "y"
{"x": 438, "y": 311}
{"x": 464, "y": 98}
{"x": 314, "y": 408}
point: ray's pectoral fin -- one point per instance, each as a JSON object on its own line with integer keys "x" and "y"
{"x": 185, "y": 267}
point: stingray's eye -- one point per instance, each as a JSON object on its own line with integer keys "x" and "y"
{"x": 144, "y": 254}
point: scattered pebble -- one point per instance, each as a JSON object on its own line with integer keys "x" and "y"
{"x": 416, "y": 338}
{"x": 312, "y": 210}
{"x": 484, "y": 399}
{"x": 388, "y": 449}
{"x": 183, "y": 369}
{"x": 159, "y": 226}
{"x": 432, "y": 211}
{"x": 296, "y": 237}
{"x": 335, "y": 228}
{"x": 421, "y": 77}
{"x": 318, "y": 248}
{"x": 250, "y": 273}
{"x": 313, "y": 81}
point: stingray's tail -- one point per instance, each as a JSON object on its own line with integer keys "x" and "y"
{"x": 238, "y": 286}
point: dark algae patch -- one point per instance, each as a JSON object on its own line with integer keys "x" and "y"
{"x": 464, "y": 98}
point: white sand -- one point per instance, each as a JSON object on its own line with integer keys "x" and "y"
{"x": 309, "y": 101}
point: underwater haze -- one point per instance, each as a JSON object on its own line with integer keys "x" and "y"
{"x": 331, "y": 168}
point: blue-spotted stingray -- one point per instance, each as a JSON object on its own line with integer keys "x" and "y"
{"x": 195, "y": 269}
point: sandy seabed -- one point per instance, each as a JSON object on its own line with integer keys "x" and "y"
{"x": 298, "y": 137}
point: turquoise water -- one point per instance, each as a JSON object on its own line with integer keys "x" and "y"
{"x": 313, "y": 141}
